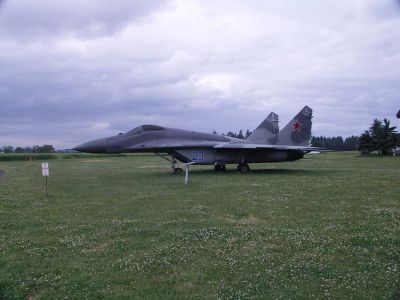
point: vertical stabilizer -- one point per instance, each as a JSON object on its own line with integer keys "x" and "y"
{"x": 298, "y": 131}
{"x": 267, "y": 131}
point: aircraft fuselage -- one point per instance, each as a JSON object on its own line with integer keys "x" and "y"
{"x": 186, "y": 146}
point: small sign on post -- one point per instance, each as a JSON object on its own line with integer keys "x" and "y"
{"x": 45, "y": 172}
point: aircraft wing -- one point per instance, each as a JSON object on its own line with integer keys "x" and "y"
{"x": 264, "y": 146}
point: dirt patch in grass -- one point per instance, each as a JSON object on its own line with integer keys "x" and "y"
{"x": 250, "y": 220}
{"x": 2, "y": 173}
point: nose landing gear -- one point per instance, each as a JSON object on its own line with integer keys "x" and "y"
{"x": 177, "y": 171}
{"x": 172, "y": 160}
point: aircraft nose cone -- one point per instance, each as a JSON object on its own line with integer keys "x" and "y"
{"x": 80, "y": 148}
{"x": 97, "y": 146}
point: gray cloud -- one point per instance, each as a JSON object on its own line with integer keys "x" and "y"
{"x": 72, "y": 71}
{"x": 30, "y": 19}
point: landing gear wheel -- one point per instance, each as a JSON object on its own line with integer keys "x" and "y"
{"x": 219, "y": 168}
{"x": 243, "y": 168}
{"x": 178, "y": 171}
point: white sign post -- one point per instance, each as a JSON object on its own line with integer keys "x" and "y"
{"x": 45, "y": 172}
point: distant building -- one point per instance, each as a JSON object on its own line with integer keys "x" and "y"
{"x": 398, "y": 114}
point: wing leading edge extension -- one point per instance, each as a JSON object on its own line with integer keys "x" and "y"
{"x": 169, "y": 145}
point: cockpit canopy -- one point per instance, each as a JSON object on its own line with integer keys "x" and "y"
{"x": 144, "y": 128}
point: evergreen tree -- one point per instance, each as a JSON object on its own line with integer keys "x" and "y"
{"x": 19, "y": 150}
{"x": 231, "y": 134}
{"x": 28, "y": 150}
{"x": 381, "y": 137}
{"x": 42, "y": 149}
{"x": 376, "y": 133}
{"x": 7, "y": 149}
{"x": 336, "y": 143}
{"x": 47, "y": 149}
{"x": 240, "y": 135}
{"x": 366, "y": 144}
{"x": 36, "y": 149}
{"x": 389, "y": 138}
{"x": 317, "y": 141}
{"x": 351, "y": 143}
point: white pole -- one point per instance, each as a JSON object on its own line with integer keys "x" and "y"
{"x": 187, "y": 171}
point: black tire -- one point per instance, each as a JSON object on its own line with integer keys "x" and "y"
{"x": 219, "y": 168}
{"x": 178, "y": 171}
{"x": 243, "y": 168}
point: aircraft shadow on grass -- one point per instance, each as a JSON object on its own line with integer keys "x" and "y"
{"x": 233, "y": 172}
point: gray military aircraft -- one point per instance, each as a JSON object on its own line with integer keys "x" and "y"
{"x": 265, "y": 144}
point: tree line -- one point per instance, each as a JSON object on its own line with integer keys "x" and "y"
{"x": 34, "y": 149}
{"x": 239, "y": 135}
{"x": 336, "y": 143}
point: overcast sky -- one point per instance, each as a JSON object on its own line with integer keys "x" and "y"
{"x": 71, "y": 71}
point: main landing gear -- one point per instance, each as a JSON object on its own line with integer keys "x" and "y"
{"x": 243, "y": 168}
{"x": 219, "y": 168}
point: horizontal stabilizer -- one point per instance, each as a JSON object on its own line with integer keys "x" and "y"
{"x": 264, "y": 146}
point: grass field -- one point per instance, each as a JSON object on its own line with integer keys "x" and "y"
{"x": 327, "y": 226}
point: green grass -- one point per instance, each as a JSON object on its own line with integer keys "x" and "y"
{"x": 327, "y": 226}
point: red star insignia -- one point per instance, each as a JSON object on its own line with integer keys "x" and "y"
{"x": 297, "y": 125}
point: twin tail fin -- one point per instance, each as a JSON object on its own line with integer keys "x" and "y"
{"x": 267, "y": 131}
{"x": 296, "y": 133}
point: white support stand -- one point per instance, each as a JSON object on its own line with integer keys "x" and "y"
{"x": 187, "y": 171}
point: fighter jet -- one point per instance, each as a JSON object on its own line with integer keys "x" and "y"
{"x": 265, "y": 144}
